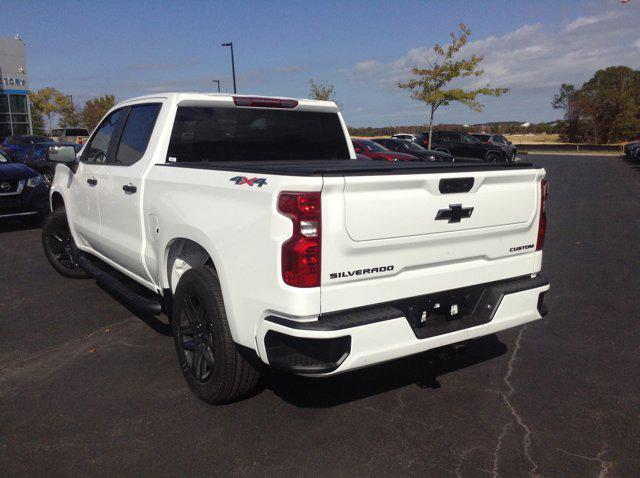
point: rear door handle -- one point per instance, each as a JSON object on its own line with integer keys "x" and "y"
{"x": 92, "y": 181}
{"x": 129, "y": 188}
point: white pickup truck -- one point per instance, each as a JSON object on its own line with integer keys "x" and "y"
{"x": 264, "y": 240}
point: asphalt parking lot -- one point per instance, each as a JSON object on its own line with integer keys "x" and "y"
{"x": 87, "y": 387}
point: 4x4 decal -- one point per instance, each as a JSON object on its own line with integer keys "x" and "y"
{"x": 240, "y": 180}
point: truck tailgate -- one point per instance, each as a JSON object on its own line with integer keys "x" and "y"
{"x": 387, "y": 237}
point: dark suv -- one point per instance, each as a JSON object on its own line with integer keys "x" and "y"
{"x": 500, "y": 141}
{"x": 463, "y": 146}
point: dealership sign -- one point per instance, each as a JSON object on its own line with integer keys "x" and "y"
{"x": 13, "y": 81}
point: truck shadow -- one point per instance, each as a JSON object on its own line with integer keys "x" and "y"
{"x": 422, "y": 370}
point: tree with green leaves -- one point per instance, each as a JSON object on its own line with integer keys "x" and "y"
{"x": 46, "y": 101}
{"x": 37, "y": 122}
{"x": 68, "y": 113}
{"x": 568, "y": 100}
{"x": 95, "y": 108}
{"x": 321, "y": 91}
{"x": 606, "y": 109}
{"x": 429, "y": 85}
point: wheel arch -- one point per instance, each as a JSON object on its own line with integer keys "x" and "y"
{"x": 56, "y": 200}
{"x": 186, "y": 251}
{"x": 180, "y": 255}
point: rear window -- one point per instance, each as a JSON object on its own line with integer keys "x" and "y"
{"x": 211, "y": 134}
{"x": 76, "y": 132}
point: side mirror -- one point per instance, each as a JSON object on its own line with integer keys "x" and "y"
{"x": 62, "y": 154}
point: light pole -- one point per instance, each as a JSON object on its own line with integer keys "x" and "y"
{"x": 233, "y": 66}
{"x": 216, "y": 81}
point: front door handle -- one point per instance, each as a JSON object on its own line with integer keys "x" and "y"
{"x": 129, "y": 188}
{"x": 92, "y": 181}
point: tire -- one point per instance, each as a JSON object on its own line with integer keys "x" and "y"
{"x": 59, "y": 247}
{"x": 210, "y": 361}
{"x": 494, "y": 158}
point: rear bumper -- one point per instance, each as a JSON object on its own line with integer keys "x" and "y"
{"x": 354, "y": 339}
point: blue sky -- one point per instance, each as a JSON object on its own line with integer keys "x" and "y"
{"x": 129, "y": 48}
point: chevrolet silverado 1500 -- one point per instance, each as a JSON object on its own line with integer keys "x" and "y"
{"x": 256, "y": 231}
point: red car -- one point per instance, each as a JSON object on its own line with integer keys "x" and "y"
{"x": 374, "y": 150}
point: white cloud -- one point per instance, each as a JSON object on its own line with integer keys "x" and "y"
{"x": 532, "y": 60}
{"x": 592, "y": 20}
{"x": 532, "y": 56}
{"x": 366, "y": 65}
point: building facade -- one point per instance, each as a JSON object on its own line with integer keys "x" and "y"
{"x": 15, "y": 115}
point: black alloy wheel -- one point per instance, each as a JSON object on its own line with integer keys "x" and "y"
{"x": 59, "y": 246}
{"x": 195, "y": 338}
{"x": 211, "y": 362}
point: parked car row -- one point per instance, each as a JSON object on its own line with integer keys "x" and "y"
{"x": 486, "y": 147}
{"x": 391, "y": 149}
{"x": 445, "y": 146}
{"x": 18, "y": 146}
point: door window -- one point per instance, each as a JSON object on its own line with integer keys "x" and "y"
{"x": 98, "y": 148}
{"x": 136, "y": 133}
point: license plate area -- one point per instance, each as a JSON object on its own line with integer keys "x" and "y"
{"x": 450, "y": 311}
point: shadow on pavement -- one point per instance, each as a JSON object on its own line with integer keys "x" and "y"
{"x": 24, "y": 224}
{"x": 421, "y": 370}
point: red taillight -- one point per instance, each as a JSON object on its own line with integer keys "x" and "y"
{"x": 542, "y": 225}
{"x": 264, "y": 102}
{"x": 301, "y": 253}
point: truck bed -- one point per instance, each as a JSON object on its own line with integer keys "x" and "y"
{"x": 348, "y": 167}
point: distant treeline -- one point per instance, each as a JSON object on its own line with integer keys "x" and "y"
{"x": 506, "y": 127}
{"x": 605, "y": 109}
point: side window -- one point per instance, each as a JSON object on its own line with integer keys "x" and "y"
{"x": 136, "y": 133}
{"x": 98, "y": 148}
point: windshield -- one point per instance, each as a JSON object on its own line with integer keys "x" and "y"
{"x": 372, "y": 145}
{"x": 481, "y": 137}
{"x": 76, "y": 132}
{"x": 471, "y": 138}
{"x": 413, "y": 146}
{"x": 211, "y": 134}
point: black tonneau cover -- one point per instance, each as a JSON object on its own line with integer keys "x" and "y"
{"x": 347, "y": 167}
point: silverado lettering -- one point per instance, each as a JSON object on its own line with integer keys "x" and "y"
{"x": 360, "y": 272}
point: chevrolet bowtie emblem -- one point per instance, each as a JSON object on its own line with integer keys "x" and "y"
{"x": 454, "y": 214}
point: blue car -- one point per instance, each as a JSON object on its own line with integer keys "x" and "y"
{"x": 23, "y": 192}
{"x": 16, "y": 147}
{"x": 37, "y": 158}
